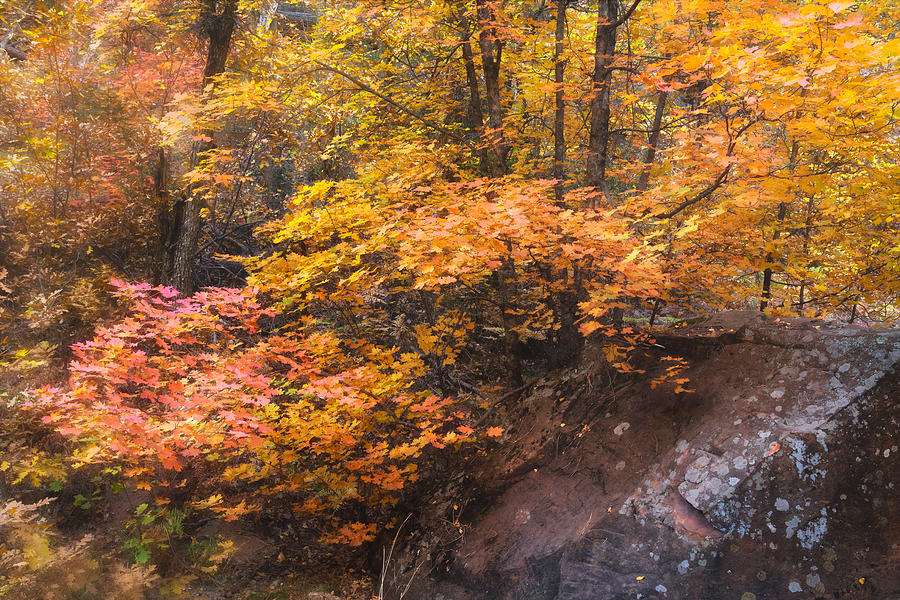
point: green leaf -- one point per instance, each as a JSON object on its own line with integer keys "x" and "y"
{"x": 141, "y": 555}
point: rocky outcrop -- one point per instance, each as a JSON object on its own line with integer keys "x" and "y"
{"x": 772, "y": 476}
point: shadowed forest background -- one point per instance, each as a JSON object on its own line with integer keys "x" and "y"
{"x": 277, "y": 264}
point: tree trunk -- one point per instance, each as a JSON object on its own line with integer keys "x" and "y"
{"x": 559, "y": 113}
{"x": 491, "y": 54}
{"x": 567, "y": 340}
{"x": 491, "y": 48}
{"x": 163, "y": 246}
{"x": 186, "y": 246}
{"x": 219, "y": 27}
{"x": 652, "y": 141}
{"x": 807, "y": 233}
{"x": 767, "y": 273}
{"x": 474, "y": 114}
{"x": 782, "y": 213}
{"x": 604, "y": 55}
{"x": 506, "y": 286}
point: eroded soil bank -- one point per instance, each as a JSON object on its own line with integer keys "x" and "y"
{"x": 772, "y": 477}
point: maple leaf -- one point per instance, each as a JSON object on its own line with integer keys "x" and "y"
{"x": 853, "y": 21}
{"x": 352, "y": 534}
{"x": 837, "y": 7}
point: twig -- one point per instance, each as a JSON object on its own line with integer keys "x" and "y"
{"x": 500, "y": 400}
{"x": 706, "y": 193}
{"x": 367, "y": 88}
{"x": 386, "y": 559}
{"x": 627, "y": 14}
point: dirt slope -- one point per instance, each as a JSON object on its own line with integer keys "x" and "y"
{"x": 773, "y": 477}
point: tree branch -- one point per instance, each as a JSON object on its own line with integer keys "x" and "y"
{"x": 5, "y": 44}
{"x": 367, "y": 88}
{"x": 626, "y": 14}
{"x": 706, "y": 193}
{"x": 13, "y": 52}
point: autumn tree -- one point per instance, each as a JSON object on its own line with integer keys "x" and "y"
{"x": 194, "y": 393}
{"x": 217, "y": 21}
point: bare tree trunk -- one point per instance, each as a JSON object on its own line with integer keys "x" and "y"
{"x": 219, "y": 26}
{"x": 604, "y": 55}
{"x": 559, "y": 114}
{"x": 491, "y": 55}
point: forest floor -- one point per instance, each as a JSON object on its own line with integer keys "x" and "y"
{"x": 588, "y": 453}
